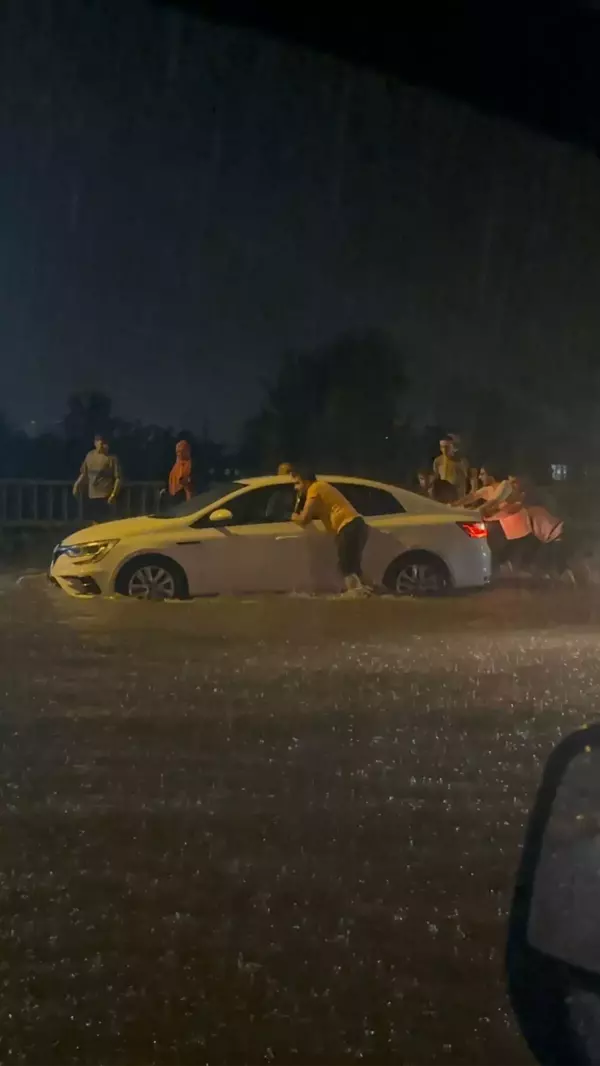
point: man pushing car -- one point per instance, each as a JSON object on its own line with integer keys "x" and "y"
{"x": 326, "y": 504}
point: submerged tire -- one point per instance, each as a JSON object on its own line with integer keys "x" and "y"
{"x": 152, "y": 577}
{"x": 417, "y": 574}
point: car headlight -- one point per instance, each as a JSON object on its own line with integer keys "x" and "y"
{"x": 92, "y": 551}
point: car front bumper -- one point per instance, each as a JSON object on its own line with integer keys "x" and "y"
{"x": 80, "y": 579}
{"x": 77, "y": 584}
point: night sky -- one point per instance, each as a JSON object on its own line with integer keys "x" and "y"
{"x": 181, "y": 203}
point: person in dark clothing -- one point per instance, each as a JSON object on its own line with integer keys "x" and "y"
{"x": 443, "y": 491}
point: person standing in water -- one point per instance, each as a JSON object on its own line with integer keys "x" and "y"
{"x": 326, "y": 504}
{"x": 101, "y": 475}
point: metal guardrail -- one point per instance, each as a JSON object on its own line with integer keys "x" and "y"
{"x": 25, "y": 502}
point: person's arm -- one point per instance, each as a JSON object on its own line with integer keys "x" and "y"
{"x": 83, "y": 474}
{"x": 117, "y": 482}
{"x": 489, "y": 510}
{"x": 473, "y": 478}
{"x": 299, "y": 502}
{"x": 512, "y": 505}
{"x": 308, "y": 512}
{"x": 185, "y": 483}
{"x": 508, "y": 502}
{"x": 470, "y": 499}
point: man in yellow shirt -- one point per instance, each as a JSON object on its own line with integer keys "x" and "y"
{"x": 452, "y": 467}
{"x": 326, "y": 504}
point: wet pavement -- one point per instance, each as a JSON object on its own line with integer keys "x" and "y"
{"x": 279, "y": 830}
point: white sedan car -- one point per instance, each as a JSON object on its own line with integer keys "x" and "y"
{"x": 239, "y": 537}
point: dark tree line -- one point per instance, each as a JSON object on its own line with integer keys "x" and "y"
{"x": 343, "y": 407}
{"x": 339, "y": 408}
{"x": 146, "y": 451}
{"x": 336, "y": 407}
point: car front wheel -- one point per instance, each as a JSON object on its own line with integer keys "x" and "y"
{"x": 153, "y": 578}
{"x": 417, "y": 574}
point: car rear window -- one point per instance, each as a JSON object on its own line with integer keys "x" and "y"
{"x": 368, "y": 500}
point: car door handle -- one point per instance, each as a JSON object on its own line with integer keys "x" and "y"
{"x": 287, "y": 536}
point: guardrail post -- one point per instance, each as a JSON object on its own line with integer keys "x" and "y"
{"x": 33, "y": 502}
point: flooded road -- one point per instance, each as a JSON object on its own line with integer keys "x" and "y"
{"x": 277, "y": 830}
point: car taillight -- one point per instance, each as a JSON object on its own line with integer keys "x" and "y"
{"x": 474, "y": 529}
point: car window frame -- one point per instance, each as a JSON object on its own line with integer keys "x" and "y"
{"x": 204, "y": 521}
{"x": 344, "y": 486}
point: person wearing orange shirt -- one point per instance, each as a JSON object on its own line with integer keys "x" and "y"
{"x": 326, "y": 504}
{"x": 509, "y": 511}
{"x": 180, "y": 486}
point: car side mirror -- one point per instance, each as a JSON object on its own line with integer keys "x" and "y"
{"x": 221, "y": 517}
{"x": 553, "y": 949}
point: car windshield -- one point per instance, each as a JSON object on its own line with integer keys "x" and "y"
{"x": 197, "y": 503}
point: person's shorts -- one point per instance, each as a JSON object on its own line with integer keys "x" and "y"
{"x": 98, "y": 510}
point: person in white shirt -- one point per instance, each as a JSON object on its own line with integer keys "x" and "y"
{"x": 491, "y": 497}
{"x": 507, "y": 508}
{"x": 491, "y": 488}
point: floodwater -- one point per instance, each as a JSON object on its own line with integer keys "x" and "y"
{"x": 278, "y": 830}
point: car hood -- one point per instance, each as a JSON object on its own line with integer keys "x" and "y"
{"x": 124, "y": 527}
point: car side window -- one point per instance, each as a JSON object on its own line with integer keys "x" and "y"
{"x": 269, "y": 503}
{"x": 370, "y": 501}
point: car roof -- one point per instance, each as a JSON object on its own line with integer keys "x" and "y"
{"x": 421, "y": 504}
{"x": 285, "y": 479}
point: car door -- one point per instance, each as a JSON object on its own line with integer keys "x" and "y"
{"x": 259, "y": 550}
{"x": 377, "y": 506}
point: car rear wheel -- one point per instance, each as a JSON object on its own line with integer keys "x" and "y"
{"x": 417, "y": 574}
{"x": 153, "y": 578}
